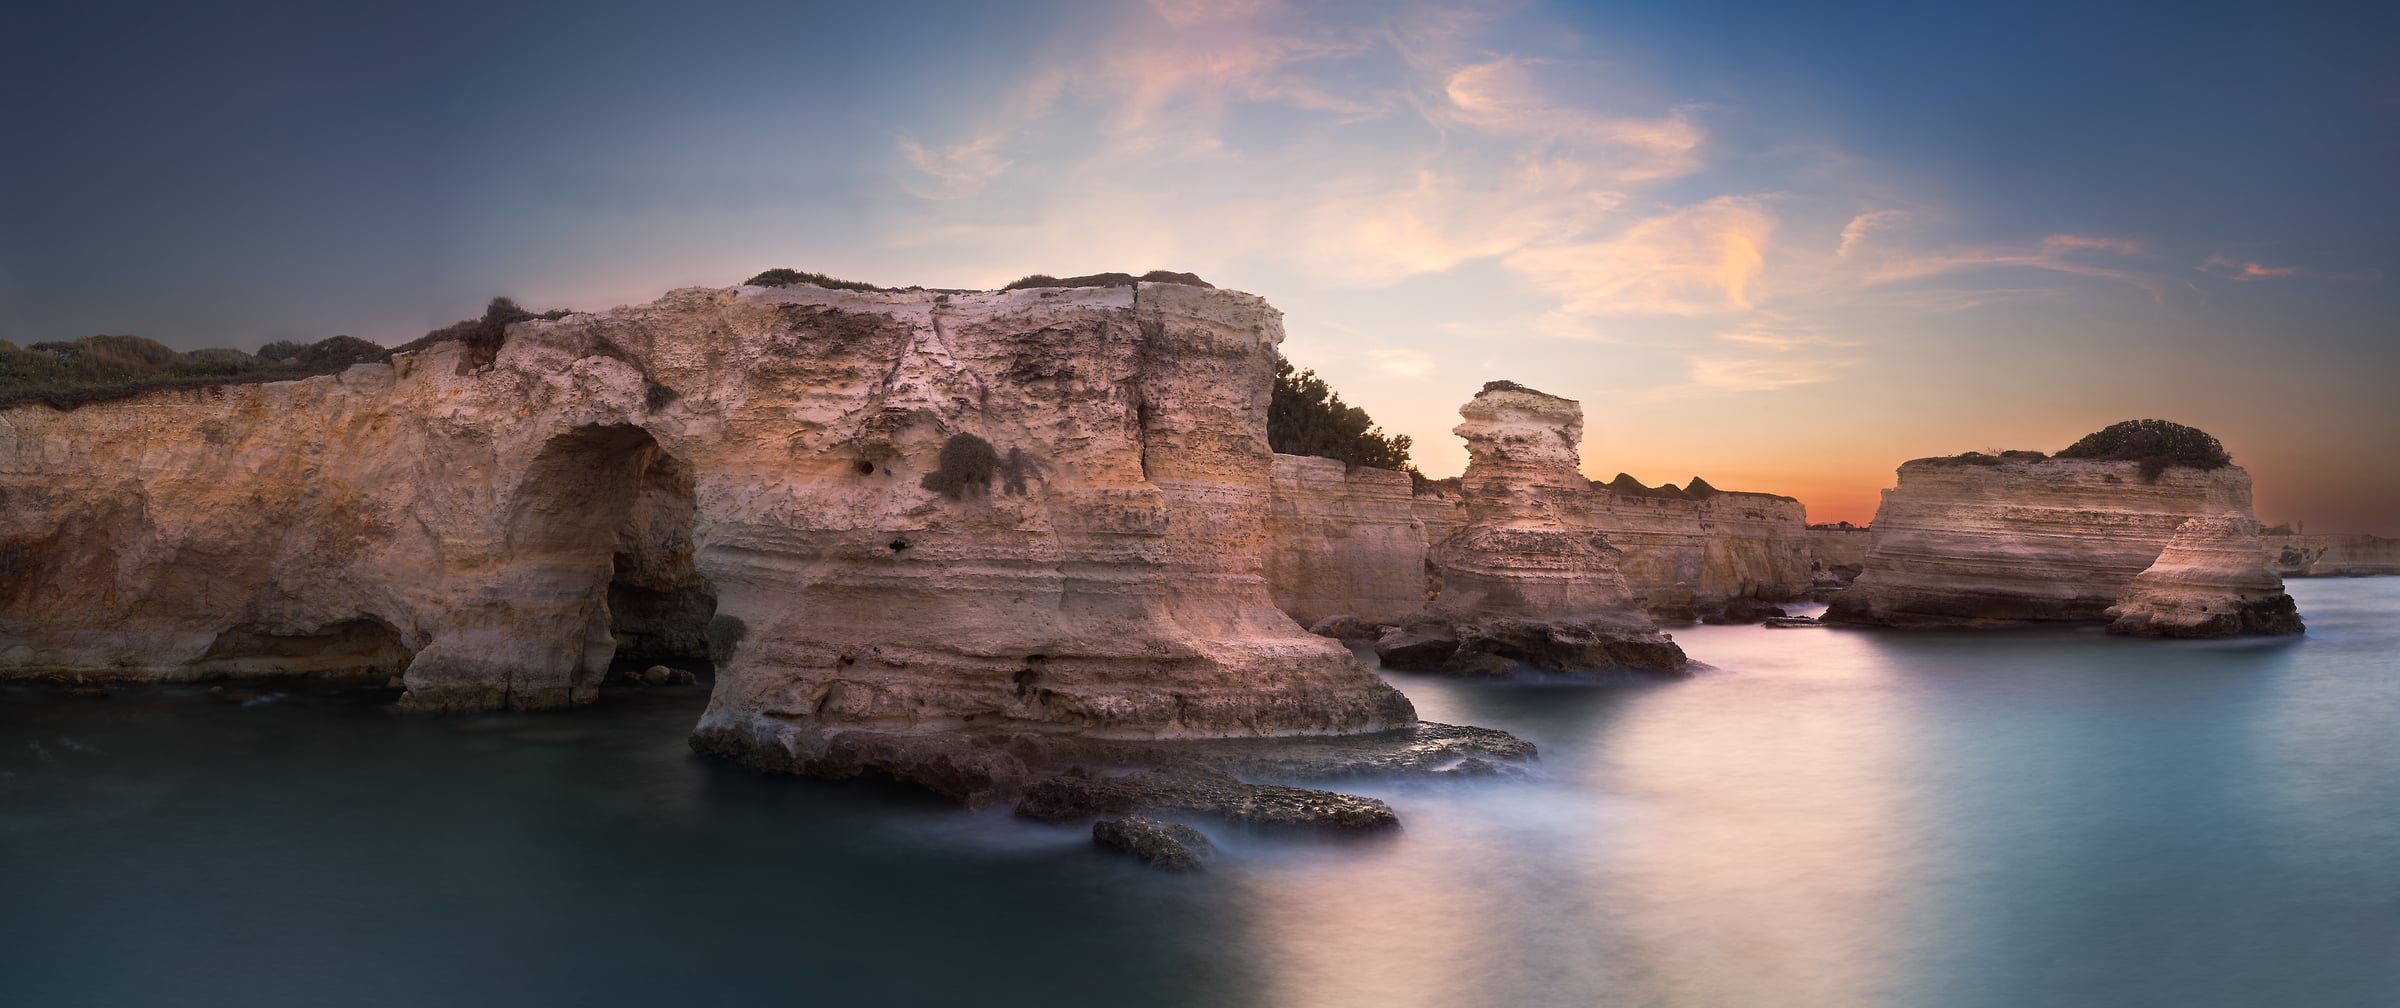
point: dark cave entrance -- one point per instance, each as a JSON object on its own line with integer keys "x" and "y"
{"x": 607, "y": 514}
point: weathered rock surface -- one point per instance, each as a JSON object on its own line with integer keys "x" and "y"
{"x": 1344, "y": 546}
{"x": 1837, "y": 554}
{"x": 1529, "y": 578}
{"x": 1710, "y": 558}
{"x": 1169, "y": 845}
{"x": 1990, "y": 541}
{"x": 1201, "y": 790}
{"x": 1343, "y": 541}
{"x": 922, "y": 523}
{"x": 2212, "y": 580}
{"x": 2338, "y": 555}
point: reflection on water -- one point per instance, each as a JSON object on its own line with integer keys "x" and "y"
{"x": 1834, "y": 818}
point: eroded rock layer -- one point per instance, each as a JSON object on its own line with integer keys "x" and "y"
{"x": 2302, "y": 555}
{"x": 1529, "y": 578}
{"x": 912, "y": 521}
{"x": 1987, "y": 540}
{"x": 2212, "y": 580}
{"x": 1343, "y": 541}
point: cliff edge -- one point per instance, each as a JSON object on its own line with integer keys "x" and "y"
{"x": 923, "y": 533}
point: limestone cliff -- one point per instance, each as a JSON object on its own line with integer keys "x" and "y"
{"x": 2212, "y": 580}
{"x": 1980, "y": 540}
{"x": 1837, "y": 552}
{"x": 1529, "y": 578}
{"x": 1343, "y": 541}
{"x": 2300, "y": 555}
{"x": 1687, "y": 558}
{"x": 912, "y": 518}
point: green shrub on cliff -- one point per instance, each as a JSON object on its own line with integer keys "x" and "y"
{"x": 69, "y": 373}
{"x": 2156, "y": 444}
{"x": 1108, "y": 280}
{"x": 784, "y": 276}
{"x": 1306, "y": 417}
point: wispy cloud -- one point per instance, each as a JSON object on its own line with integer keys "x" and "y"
{"x": 957, "y": 171}
{"x": 1502, "y": 96}
{"x": 2246, "y": 270}
{"x": 1696, "y": 260}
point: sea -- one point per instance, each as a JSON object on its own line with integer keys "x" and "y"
{"x": 1825, "y": 817}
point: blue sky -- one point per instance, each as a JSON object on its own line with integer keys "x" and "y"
{"x": 1781, "y": 246}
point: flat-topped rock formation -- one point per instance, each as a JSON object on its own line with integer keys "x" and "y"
{"x": 2212, "y": 580}
{"x": 1702, "y": 553}
{"x": 1982, "y": 540}
{"x": 1529, "y": 578}
{"x": 2339, "y": 555}
{"x": 914, "y": 528}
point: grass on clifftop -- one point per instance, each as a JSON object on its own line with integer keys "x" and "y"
{"x": 67, "y": 374}
{"x": 1108, "y": 280}
{"x": 2157, "y": 445}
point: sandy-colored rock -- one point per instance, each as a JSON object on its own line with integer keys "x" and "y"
{"x": 2336, "y": 555}
{"x": 1529, "y": 578}
{"x": 2212, "y": 580}
{"x": 877, "y": 600}
{"x": 1983, "y": 540}
{"x": 1343, "y": 541}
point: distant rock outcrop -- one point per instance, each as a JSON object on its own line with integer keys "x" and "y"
{"x": 2299, "y": 555}
{"x": 2212, "y": 580}
{"x": 1529, "y": 578}
{"x": 1980, "y": 540}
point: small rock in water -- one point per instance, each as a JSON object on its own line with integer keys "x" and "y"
{"x": 657, "y": 675}
{"x": 1172, "y": 846}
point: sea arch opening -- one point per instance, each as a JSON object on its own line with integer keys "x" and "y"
{"x": 599, "y": 537}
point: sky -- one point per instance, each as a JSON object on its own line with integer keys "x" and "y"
{"x": 1781, "y": 246}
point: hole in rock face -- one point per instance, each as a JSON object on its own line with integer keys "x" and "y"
{"x": 865, "y": 468}
{"x": 603, "y": 525}
{"x": 899, "y": 544}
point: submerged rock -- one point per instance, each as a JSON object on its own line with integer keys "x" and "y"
{"x": 1201, "y": 790}
{"x": 1169, "y": 845}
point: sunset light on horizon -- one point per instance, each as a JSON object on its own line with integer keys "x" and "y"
{"x": 1784, "y": 249}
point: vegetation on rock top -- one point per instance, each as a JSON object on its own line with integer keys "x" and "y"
{"x": 66, "y": 374}
{"x": 2156, "y": 444}
{"x": 1108, "y": 280}
{"x": 784, "y": 276}
{"x": 1306, "y": 417}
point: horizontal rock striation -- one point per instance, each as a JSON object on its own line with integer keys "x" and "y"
{"x": 2212, "y": 580}
{"x": 1340, "y": 547}
{"x": 1985, "y": 540}
{"x": 1343, "y": 541}
{"x": 1692, "y": 558}
{"x": 1529, "y": 578}
{"x": 906, "y": 524}
{"x": 2339, "y": 555}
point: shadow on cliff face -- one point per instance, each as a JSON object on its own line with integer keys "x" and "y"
{"x": 607, "y": 505}
{"x": 595, "y": 573}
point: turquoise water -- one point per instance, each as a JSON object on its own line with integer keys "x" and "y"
{"x": 1836, "y": 818}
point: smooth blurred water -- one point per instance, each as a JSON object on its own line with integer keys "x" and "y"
{"x": 1835, "y": 818}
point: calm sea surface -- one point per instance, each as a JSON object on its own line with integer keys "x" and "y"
{"x": 1836, "y": 818}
